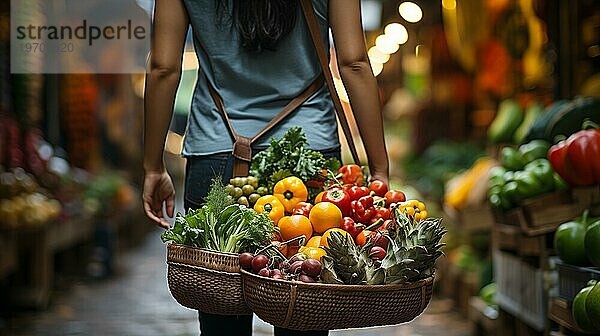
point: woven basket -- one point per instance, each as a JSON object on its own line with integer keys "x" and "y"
{"x": 205, "y": 280}
{"x": 302, "y": 306}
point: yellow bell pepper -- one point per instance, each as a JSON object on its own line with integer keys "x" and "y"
{"x": 271, "y": 205}
{"x": 290, "y": 191}
{"x": 413, "y": 208}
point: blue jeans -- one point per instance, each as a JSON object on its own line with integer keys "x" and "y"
{"x": 199, "y": 172}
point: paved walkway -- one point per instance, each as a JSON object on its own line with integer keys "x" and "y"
{"x": 137, "y": 302}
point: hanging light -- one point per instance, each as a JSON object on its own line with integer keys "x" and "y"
{"x": 377, "y": 68}
{"x": 376, "y": 55}
{"x": 386, "y": 44}
{"x": 449, "y": 4}
{"x": 396, "y": 32}
{"x": 410, "y": 11}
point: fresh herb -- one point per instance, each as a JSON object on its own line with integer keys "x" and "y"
{"x": 288, "y": 156}
{"x": 220, "y": 225}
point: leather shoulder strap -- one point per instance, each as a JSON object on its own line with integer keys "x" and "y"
{"x": 315, "y": 34}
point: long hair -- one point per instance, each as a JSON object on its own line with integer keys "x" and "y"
{"x": 261, "y": 24}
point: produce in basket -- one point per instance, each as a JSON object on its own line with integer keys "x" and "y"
{"x": 299, "y": 267}
{"x": 245, "y": 190}
{"x": 288, "y": 156}
{"x": 220, "y": 225}
{"x": 410, "y": 256}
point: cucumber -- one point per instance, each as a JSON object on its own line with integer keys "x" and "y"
{"x": 533, "y": 112}
{"x": 506, "y": 122}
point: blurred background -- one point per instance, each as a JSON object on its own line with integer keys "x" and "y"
{"x": 78, "y": 257}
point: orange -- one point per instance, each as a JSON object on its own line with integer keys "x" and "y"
{"x": 324, "y": 216}
{"x": 313, "y": 252}
{"x": 314, "y": 241}
{"x": 327, "y": 234}
{"x": 319, "y": 197}
{"x": 361, "y": 238}
{"x": 294, "y": 226}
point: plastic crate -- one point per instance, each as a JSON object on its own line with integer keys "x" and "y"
{"x": 571, "y": 279}
{"x": 520, "y": 289}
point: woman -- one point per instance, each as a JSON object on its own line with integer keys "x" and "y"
{"x": 256, "y": 55}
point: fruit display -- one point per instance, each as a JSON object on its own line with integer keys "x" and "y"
{"x": 525, "y": 173}
{"x": 245, "y": 190}
{"x": 586, "y": 308}
{"x": 430, "y": 171}
{"x": 23, "y": 202}
{"x": 569, "y": 240}
{"x": 577, "y": 159}
{"x": 507, "y": 121}
{"x": 564, "y": 118}
{"x": 470, "y": 187}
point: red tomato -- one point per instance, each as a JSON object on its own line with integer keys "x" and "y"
{"x": 379, "y": 188}
{"x": 394, "y": 196}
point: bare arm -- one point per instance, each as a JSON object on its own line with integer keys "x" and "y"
{"x": 168, "y": 38}
{"x": 356, "y": 73}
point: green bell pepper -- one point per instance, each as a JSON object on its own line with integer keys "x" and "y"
{"x": 510, "y": 192}
{"x": 528, "y": 184}
{"x": 542, "y": 170}
{"x": 512, "y": 159}
{"x": 559, "y": 183}
{"x": 536, "y": 149}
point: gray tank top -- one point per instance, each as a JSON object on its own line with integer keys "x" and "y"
{"x": 255, "y": 87}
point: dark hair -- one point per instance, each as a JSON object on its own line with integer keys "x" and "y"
{"x": 261, "y": 24}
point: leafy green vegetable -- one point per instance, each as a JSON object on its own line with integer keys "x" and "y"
{"x": 288, "y": 156}
{"x": 220, "y": 225}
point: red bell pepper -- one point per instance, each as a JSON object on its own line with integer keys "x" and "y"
{"x": 379, "y": 188}
{"x": 363, "y": 209}
{"x": 394, "y": 196}
{"x": 356, "y": 192}
{"x": 351, "y": 174}
{"x": 380, "y": 213}
{"x": 302, "y": 208}
{"x": 350, "y": 226}
{"x": 577, "y": 159}
{"x": 340, "y": 198}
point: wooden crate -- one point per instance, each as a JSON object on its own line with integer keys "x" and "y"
{"x": 511, "y": 325}
{"x": 521, "y": 289}
{"x": 36, "y": 252}
{"x": 472, "y": 218}
{"x": 588, "y": 198}
{"x": 542, "y": 214}
{"x": 512, "y": 238}
{"x": 560, "y": 312}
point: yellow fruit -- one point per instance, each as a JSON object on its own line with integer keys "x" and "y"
{"x": 324, "y": 216}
